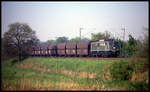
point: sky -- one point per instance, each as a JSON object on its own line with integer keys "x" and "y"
{"x": 56, "y": 19}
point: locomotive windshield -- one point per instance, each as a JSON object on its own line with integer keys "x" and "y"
{"x": 99, "y": 46}
{"x": 116, "y": 44}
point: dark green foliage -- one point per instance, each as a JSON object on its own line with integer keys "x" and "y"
{"x": 84, "y": 39}
{"x": 121, "y": 70}
{"x": 62, "y": 39}
{"x": 145, "y": 44}
{"x": 140, "y": 66}
{"x": 14, "y": 60}
{"x": 17, "y": 40}
{"x": 77, "y": 39}
{"x": 51, "y": 41}
{"x": 140, "y": 86}
{"x": 121, "y": 44}
{"x": 131, "y": 46}
{"x": 100, "y": 36}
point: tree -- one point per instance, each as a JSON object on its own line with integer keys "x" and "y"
{"x": 100, "y": 35}
{"x": 77, "y": 39}
{"x": 143, "y": 45}
{"x": 146, "y": 42}
{"x": 50, "y": 41}
{"x": 62, "y": 39}
{"x": 84, "y": 39}
{"x": 20, "y": 37}
{"x": 8, "y": 50}
{"x": 121, "y": 43}
{"x": 131, "y": 47}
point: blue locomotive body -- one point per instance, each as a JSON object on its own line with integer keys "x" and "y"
{"x": 104, "y": 48}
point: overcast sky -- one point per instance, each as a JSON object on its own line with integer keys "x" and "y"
{"x": 57, "y": 19}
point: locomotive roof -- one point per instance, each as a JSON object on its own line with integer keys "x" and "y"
{"x": 103, "y": 40}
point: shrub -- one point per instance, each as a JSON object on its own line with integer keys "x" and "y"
{"x": 139, "y": 86}
{"x": 121, "y": 70}
{"x": 142, "y": 66}
{"x": 139, "y": 66}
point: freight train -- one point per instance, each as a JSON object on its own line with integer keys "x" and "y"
{"x": 101, "y": 48}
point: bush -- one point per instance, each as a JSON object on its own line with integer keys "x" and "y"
{"x": 141, "y": 66}
{"x": 121, "y": 70}
{"x": 139, "y": 86}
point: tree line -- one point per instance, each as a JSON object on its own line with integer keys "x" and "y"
{"x": 20, "y": 38}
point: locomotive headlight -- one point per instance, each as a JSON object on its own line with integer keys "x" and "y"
{"x": 114, "y": 47}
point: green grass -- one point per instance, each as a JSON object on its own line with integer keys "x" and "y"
{"x": 28, "y": 78}
{"x": 71, "y": 64}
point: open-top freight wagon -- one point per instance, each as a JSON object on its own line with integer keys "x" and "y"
{"x": 71, "y": 49}
{"x": 101, "y": 48}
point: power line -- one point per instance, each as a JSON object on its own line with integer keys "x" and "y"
{"x": 80, "y": 32}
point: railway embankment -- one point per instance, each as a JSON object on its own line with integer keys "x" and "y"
{"x": 75, "y": 74}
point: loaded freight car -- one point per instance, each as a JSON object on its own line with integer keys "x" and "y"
{"x": 44, "y": 51}
{"x": 52, "y": 50}
{"x": 83, "y": 48}
{"x": 37, "y": 50}
{"x": 71, "y": 49}
{"x": 61, "y": 49}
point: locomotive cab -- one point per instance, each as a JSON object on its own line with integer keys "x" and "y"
{"x": 104, "y": 48}
{"x": 115, "y": 49}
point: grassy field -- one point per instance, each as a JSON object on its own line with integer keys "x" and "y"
{"x": 70, "y": 74}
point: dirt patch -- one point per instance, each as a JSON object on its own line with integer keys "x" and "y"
{"x": 140, "y": 77}
{"x": 5, "y": 63}
{"x": 105, "y": 72}
{"x": 100, "y": 58}
{"x": 107, "y": 58}
{"x": 25, "y": 65}
{"x": 58, "y": 86}
{"x": 26, "y": 87}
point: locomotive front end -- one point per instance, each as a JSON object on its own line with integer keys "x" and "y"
{"x": 104, "y": 48}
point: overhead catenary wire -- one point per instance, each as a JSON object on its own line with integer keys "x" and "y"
{"x": 113, "y": 33}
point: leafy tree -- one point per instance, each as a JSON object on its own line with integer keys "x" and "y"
{"x": 143, "y": 45}
{"x": 8, "y": 50}
{"x": 77, "y": 39}
{"x": 100, "y": 35}
{"x": 146, "y": 42}
{"x": 121, "y": 44}
{"x": 84, "y": 39}
{"x": 62, "y": 39}
{"x": 50, "y": 41}
{"x": 19, "y": 38}
{"x": 131, "y": 46}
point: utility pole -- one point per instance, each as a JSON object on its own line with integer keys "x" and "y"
{"x": 124, "y": 42}
{"x": 80, "y": 32}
